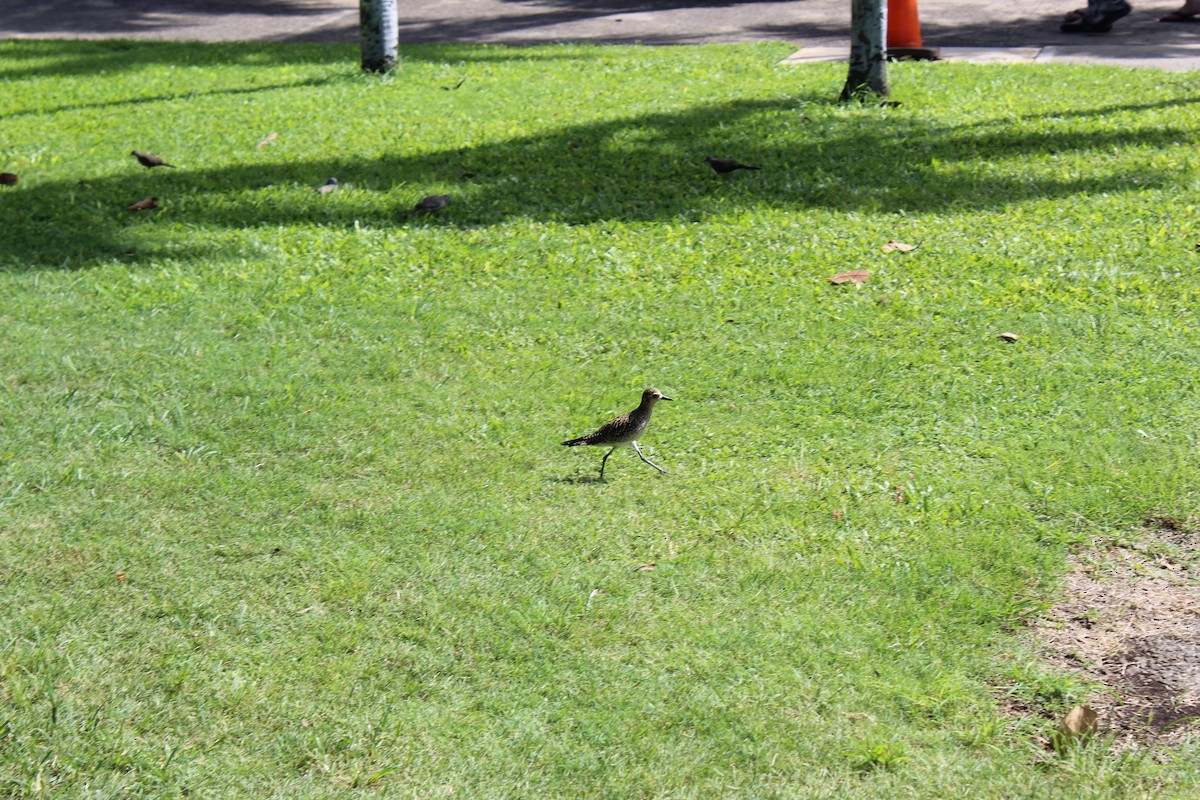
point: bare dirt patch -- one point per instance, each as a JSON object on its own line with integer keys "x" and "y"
{"x": 1129, "y": 621}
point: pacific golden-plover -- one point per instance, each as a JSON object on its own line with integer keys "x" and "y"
{"x": 625, "y": 429}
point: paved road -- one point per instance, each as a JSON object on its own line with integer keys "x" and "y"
{"x": 804, "y": 23}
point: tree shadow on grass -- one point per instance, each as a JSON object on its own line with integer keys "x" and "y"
{"x": 20, "y": 58}
{"x": 642, "y": 168}
{"x": 132, "y": 102}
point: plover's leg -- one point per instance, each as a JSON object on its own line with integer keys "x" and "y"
{"x": 638, "y": 450}
{"x": 603, "y": 460}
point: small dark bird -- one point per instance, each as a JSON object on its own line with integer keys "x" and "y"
{"x": 434, "y": 202}
{"x": 624, "y": 430}
{"x": 149, "y": 160}
{"x": 143, "y": 205}
{"x": 726, "y": 165}
{"x": 8, "y": 179}
{"x": 328, "y": 186}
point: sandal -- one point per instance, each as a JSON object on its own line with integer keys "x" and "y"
{"x": 1096, "y": 19}
{"x": 1179, "y": 16}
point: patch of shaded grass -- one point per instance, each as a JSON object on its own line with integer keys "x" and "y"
{"x": 283, "y": 510}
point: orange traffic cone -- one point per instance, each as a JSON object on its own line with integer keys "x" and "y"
{"x": 904, "y": 32}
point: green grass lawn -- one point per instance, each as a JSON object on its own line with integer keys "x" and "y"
{"x": 283, "y": 511}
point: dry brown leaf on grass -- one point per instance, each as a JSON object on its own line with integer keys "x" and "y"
{"x": 8, "y": 179}
{"x": 645, "y": 567}
{"x": 855, "y": 276}
{"x": 892, "y": 244}
{"x": 1078, "y": 725}
{"x": 272, "y": 136}
{"x": 143, "y": 205}
{"x": 1007, "y": 336}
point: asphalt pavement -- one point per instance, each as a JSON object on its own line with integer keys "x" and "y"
{"x": 1015, "y": 30}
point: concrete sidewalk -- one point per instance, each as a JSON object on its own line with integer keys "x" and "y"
{"x": 972, "y": 30}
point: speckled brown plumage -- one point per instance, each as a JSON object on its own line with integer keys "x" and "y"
{"x": 624, "y": 429}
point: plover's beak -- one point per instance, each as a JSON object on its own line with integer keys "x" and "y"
{"x": 664, "y": 397}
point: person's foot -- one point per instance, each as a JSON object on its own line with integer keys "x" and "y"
{"x": 1189, "y": 12}
{"x": 1098, "y": 17}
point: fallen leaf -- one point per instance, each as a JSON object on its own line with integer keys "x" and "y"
{"x": 892, "y": 244}
{"x": 1007, "y": 336}
{"x": 120, "y": 577}
{"x": 1079, "y": 724}
{"x": 143, "y": 205}
{"x": 645, "y": 567}
{"x": 837, "y": 515}
{"x": 856, "y": 276}
{"x": 8, "y": 179}
{"x": 272, "y": 136}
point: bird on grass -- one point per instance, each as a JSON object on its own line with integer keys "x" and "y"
{"x": 724, "y": 166}
{"x": 434, "y": 202}
{"x": 625, "y": 429}
{"x": 328, "y": 186}
{"x": 143, "y": 205}
{"x": 150, "y": 161}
